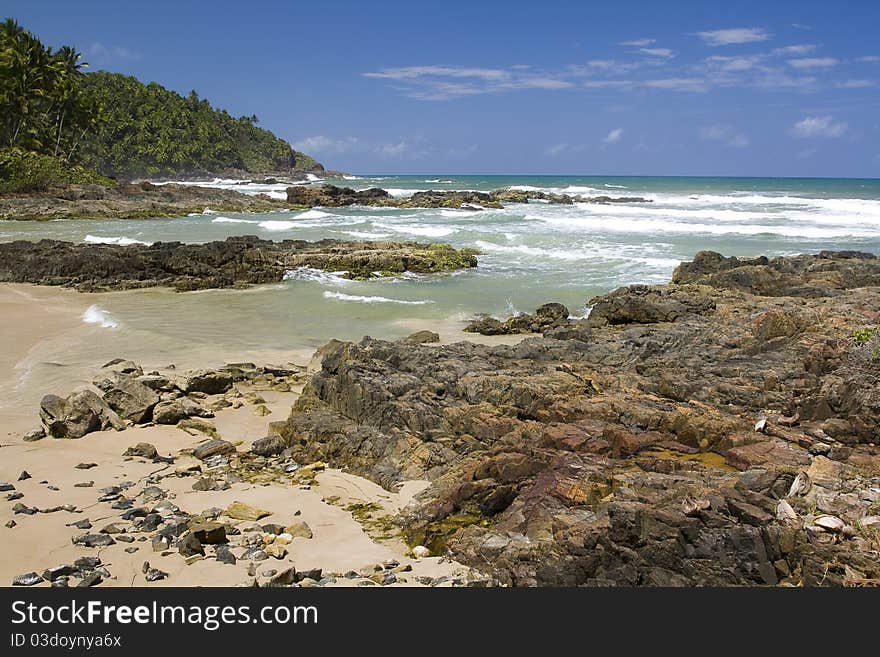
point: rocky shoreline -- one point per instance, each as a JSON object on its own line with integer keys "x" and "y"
{"x": 235, "y": 262}
{"x": 146, "y": 519}
{"x": 145, "y": 200}
{"x": 141, "y": 200}
{"x": 331, "y": 196}
{"x": 719, "y": 430}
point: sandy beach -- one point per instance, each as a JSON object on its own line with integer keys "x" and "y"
{"x": 41, "y": 328}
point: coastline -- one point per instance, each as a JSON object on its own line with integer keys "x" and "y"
{"x": 39, "y": 321}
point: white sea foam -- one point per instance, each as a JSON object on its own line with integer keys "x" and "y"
{"x": 344, "y": 177}
{"x": 615, "y": 186}
{"x": 232, "y": 220}
{"x": 371, "y": 299}
{"x": 96, "y": 315}
{"x": 121, "y": 241}
{"x": 316, "y": 276}
{"x": 401, "y": 193}
{"x": 312, "y": 177}
{"x": 313, "y": 214}
{"x": 426, "y": 230}
{"x": 275, "y": 225}
{"x": 365, "y": 235}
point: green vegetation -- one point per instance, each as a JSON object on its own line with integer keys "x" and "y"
{"x": 147, "y": 130}
{"x": 26, "y": 171}
{"x": 42, "y": 104}
{"x": 115, "y": 124}
{"x": 863, "y": 335}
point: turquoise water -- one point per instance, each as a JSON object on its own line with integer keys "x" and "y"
{"x": 532, "y": 253}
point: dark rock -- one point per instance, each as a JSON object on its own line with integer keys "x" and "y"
{"x": 172, "y": 412}
{"x": 284, "y": 578}
{"x": 93, "y": 540}
{"x": 154, "y": 575}
{"x": 86, "y": 466}
{"x": 268, "y": 446}
{"x": 5, "y": 486}
{"x": 224, "y": 554}
{"x": 24, "y": 475}
{"x": 80, "y": 413}
{"x": 213, "y": 448}
{"x": 237, "y": 261}
{"x": 92, "y": 579}
{"x": 81, "y": 524}
{"x": 423, "y": 337}
{"x": 130, "y": 398}
{"x": 144, "y": 450}
{"x": 34, "y": 435}
{"x": 28, "y": 579}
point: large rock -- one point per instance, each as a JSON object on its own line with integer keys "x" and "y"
{"x": 80, "y": 413}
{"x": 235, "y": 262}
{"x": 210, "y": 382}
{"x": 175, "y": 410}
{"x": 623, "y": 449}
{"x": 130, "y": 398}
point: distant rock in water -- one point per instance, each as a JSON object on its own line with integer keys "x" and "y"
{"x": 235, "y": 262}
{"x": 129, "y": 201}
{"x": 332, "y": 196}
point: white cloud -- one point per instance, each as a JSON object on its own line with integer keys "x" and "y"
{"x": 664, "y": 53}
{"x": 798, "y": 49}
{"x": 638, "y": 43}
{"x": 734, "y": 35}
{"x": 614, "y": 136}
{"x": 724, "y": 133}
{"x": 608, "y": 84}
{"x": 819, "y": 126}
{"x": 412, "y": 72}
{"x": 322, "y": 144}
{"x": 393, "y": 149}
{"x": 557, "y": 149}
{"x": 733, "y": 64}
{"x": 697, "y": 85}
{"x": 813, "y": 62}
{"x": 464, "y": 151}
{"x": 856, "y": 84}
{"x": 102, "y": 54}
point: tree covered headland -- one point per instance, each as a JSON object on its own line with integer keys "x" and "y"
{"x": 115, "y": 124}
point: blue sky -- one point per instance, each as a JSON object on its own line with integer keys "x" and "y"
{"x": 648, "y": 88}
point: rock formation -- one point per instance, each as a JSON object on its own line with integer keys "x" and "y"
{"x": 719, "y": 430}
{"x": 235, "y": 262}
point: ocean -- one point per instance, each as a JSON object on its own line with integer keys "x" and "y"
{"x": 531, "y": 254}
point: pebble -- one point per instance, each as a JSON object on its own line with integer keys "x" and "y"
{"x": 16, "y": 495}
{"x": 10, "y": 524}
{"x": 92, "y": 579}
{"x": 154, "y": 574}
{"x": 27, "y": 579}
{"x": 24, "y": 475}
{"x": 5, "y": 486}
{"x": 86, "y": 466}
{"x": 26, "y": 510}
{"x": 93, "y": 540}
{"x": 132, "y": 549}
{"x": 420, "y": 552}
{"x": 81, "y": 524}
{"x": 84, "y": 484}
